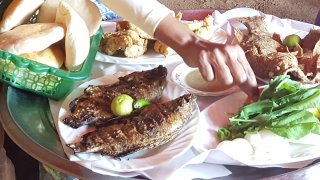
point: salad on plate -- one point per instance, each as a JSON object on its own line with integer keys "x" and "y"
{"x": 281, "y": 128}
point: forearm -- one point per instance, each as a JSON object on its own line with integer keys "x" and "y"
{"x": 146, "y": 14}
{"x": 177, "y": 36}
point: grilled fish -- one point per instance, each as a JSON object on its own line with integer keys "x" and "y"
{"x": 149, "y": 127}
{"x": 95, "y": 102}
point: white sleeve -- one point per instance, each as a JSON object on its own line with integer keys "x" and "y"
{"x": 146, "y": 14}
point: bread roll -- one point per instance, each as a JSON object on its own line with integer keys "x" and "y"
{"x": 88, "y": 11}
{"x": 77, "y": 39}
{"x": 18, "y": 12}
{"x": 52, "y": 56}
{"x": 29, "y": 38}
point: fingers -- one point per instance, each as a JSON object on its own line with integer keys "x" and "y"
{"x": 205, "y": 67}
{"x": 232, "y": 67}
{"x": 228, "y": 65}
{"x": 236, "y": 68}
{"x": 222, "y": 70}
{"x": 250, "y": 86}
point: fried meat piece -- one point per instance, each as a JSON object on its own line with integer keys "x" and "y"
{"x": 310, "y": 40}
{"x": 267, "y": 56}
{"x": 163, "y": 49}
{"x": 203, "y": 28}
{"x": 128, "y": 41}
{"x": 126, "y": 25}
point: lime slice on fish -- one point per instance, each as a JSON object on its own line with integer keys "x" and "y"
{"x": 121, "y": 105}
{"x": 140, "y": 103}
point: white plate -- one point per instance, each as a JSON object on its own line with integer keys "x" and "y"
{"x": 150, "y": 57}
{"x": 284, "y": 27}
{"x": 191, "y": 80}
{"x": 139, "y": 161}
{"x": 215, "y": 116}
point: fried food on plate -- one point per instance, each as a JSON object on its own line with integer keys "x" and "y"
{"x": 126, "y": 25}
{"x": 131, "y": 41}
{"x": 310, "y": 40}
{"x": 127, "y": 42}
{"x": 146, "y": 128}
{"x": 203, "y": 28}
{"x": 269, "y": 57}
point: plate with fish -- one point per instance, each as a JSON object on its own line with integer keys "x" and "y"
{"x": 191, "y": 80}
{"x": 148, "y": 137}
{"x": 146, "y": 50}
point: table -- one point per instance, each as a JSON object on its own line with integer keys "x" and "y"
{"x": 53, "y": 156}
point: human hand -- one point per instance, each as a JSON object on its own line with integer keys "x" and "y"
{"x": 216, "y": 62}
{"x": 224, "y": 63}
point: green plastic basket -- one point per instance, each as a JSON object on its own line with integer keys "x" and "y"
{"x": 44, "y": 80}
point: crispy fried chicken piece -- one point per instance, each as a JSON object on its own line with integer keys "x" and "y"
{"x": 310, "y": 40}
{"x": 268, "y": 57}
{"x": 256, "y": 25}
{"x": 316, "y": 49}
{"x": 258, "y": 38}
{"x": 126, "y": 25}
{"x": 206, "y": 29}
{"x": 310, "y": 65}
{"x": 163, "y": 49}
{"x": 127, "y": 41}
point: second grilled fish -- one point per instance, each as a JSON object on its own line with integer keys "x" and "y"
{"x": 95, "y": 103}
{"x": 150, "y": 127}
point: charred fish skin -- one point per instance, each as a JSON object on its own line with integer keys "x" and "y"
{"x": 95, "y": 103}
{"x": 147, "y": 128}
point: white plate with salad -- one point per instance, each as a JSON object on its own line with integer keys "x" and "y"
{"x": 280, "y": 130}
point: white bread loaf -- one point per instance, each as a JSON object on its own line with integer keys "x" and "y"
{"x": 77, "y": 39}
{"x": 52, "y": 56}
{"x": 88, "y": 11}
{"x": 18, "y": 12}
{"x": 29, "y": 38}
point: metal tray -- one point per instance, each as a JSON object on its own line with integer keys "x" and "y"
{"x": 27, "y": 120}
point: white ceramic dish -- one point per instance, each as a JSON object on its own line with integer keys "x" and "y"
{"x": 191, "y": 80}
{"x": 150, "y": 57}
{"x": 216, "y": 116}
{"x": 139, "y": 161}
